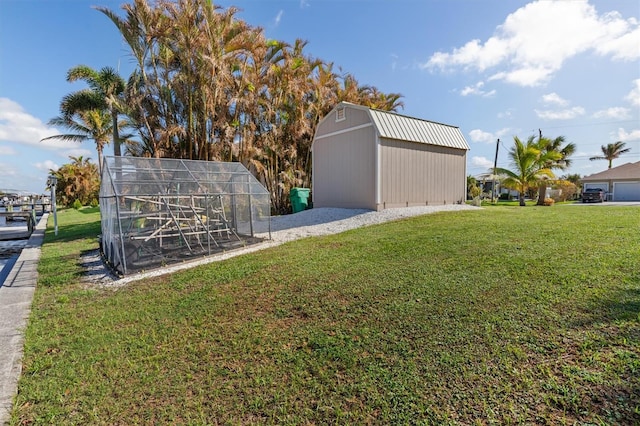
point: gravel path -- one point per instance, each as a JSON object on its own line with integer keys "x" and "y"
{"x": 308, "y": 223}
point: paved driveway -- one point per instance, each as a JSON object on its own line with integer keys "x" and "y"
{"x": 608, "y": 203}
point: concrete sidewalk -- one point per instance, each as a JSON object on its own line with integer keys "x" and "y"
{"x": 16, "y": 294}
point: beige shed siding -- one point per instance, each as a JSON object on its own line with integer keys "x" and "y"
{"x": 419, "y": 174}
{"x": 374, "y": 159}
{"x": 353, "y": 118}
{"x": 344, "y": 169}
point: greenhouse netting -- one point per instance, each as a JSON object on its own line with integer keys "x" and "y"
{"x": 157, "y": 212}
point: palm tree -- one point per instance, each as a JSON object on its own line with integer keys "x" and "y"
{"x": 611, "y": 152}
{"x": 106, "y": 88}
{"x": 138, "y": 29}
{"x": 209, "y": 86}
{"x": 550, "y": 146}
{"x": 85, "y": 125}
{"x": 529, "y": 163}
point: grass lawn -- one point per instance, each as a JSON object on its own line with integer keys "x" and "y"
{"x": 500, "y": 316}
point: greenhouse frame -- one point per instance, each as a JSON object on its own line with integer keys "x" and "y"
{"x": 161, "y": 211}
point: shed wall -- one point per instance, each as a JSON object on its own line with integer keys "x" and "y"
{"x": 353, "y": 118}
{"x": 415, "y": 174}
{"x": 344, "y": 168}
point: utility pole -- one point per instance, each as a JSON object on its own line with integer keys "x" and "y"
{"x": 52, "y": 182}
{"x": 495, "y": 166}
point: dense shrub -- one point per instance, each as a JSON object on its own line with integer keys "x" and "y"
{"x": 77, "y": 181}
{"x": 567, "y": 190}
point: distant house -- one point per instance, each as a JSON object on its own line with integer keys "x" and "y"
{"x": 371, "y": 159}
{"x": 622, "y": 183}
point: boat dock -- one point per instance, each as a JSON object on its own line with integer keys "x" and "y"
{"x": 18, "y": 232}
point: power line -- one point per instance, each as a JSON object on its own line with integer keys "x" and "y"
{"x": 589, "y": 124}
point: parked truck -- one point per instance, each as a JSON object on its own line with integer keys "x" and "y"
{"x": 591, "y": 195}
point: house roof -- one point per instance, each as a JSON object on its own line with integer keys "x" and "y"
{"x": 396, "y": 126}
{"x": 625, "y": 171}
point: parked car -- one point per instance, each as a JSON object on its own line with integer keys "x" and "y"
{"x": 593, "y": 195}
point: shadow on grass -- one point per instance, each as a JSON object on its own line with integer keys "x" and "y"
{"x": 73, "y": 232}
{"x": 611, "y": 339}
{"x": 89, "y": 210}
{"x": 627, "y": 307}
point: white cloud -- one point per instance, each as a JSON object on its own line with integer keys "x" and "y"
{"x": 478, "y": 135}
{"x": 534, "y": 41}
{"x": 477, "y": 90}
{"x": 46, "y": 166}
{"x": 584, "y": 154}
{"x": 481, "y": 56}
{"x": 481, "y": 162}
{"x": 304, "y": 4}
{"x": 616, "y": 113}
{"x": 526, "y": 76}
{"x": 9, "y": 177}
{"x": 278, "y": 17}
{"x": 554, "y": 99}
{"x": 394, "y": 61}
{"x": 8, "y": 170}
{"x": 506, "y": 114}
{"x": 7, "y": 150}
{"x": 565, "y": 114}
{"x": 81, "y": 152}
{"x": 18, "y": 126}
{"x": 500, "y": 133}
{"x": 621, "y": 39}
{"x": 634, "y": 95}
{"x": 623, "y": 136}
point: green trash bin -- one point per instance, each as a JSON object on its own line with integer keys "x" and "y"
{"x": 299, "y": 199}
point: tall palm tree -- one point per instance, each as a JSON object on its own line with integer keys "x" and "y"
{"x": 554, "y": 162}
{"x": 209, "y": 86}
{"x": 85, "y": 125}
{"x": 139, "y": 29}
{"x": 528, "y": 162}
{"x": 106, "y": 88}
{"x": 611, "y": 152}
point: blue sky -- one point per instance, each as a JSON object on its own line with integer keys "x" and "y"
{"x": 494, "y": 68}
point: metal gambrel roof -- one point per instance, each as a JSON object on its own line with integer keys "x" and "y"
{"x": 395, "y": 126}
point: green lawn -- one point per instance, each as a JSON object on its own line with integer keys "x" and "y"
{"x": 499, "y": 316}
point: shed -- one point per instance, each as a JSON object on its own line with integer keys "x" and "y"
{"x": 159, "y": 211}
{"x": 372, "y": 159}
{"x": 622, "y": 183}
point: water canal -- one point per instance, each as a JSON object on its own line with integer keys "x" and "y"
{"x": 13, "y": 238}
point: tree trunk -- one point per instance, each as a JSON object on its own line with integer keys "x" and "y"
{"x": 542, "y": 191}
{"x": 116, "y": 134}
{"x": 100, "y": 161}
